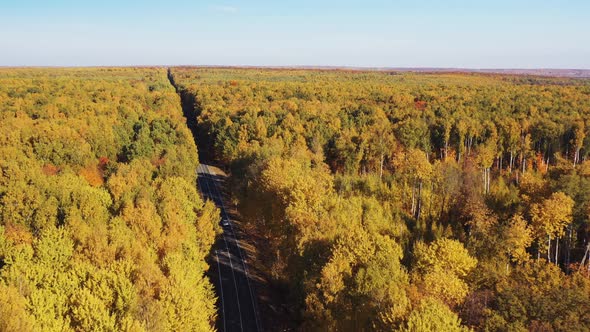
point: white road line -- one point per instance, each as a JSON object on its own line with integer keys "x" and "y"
{"x": 230, "y": 260}
{"x": 228, "y": 255}
{"x": 221, "y": 287}
{"x": 204, "y": 182}
{"x": 254, "y": 306}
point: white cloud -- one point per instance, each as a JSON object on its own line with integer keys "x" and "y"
{"x": 225, "y": 9}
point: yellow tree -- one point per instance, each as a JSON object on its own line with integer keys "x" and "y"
{"x": 485, "y": 159}
{"x": 363, "y": 285}
{"x": 414, "y": 164}
{"x": 517, "y": 238}
{"x": 550, "y": 217}
{"x": 578, "y": 140}
{"x": 13, "y": 313}
{"x": 381, "y": 141}
{"x": 441, "y": 268}
{"x": 432, "y": 315}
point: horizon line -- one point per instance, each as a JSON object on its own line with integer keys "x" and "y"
{"x": 540, "y": 71}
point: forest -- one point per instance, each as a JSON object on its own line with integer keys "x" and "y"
{"x": 385, "y": 201}
{"x": 101, "y": 224}
{"x": 405, "y": 201}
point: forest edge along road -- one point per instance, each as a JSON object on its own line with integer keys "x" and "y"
{"x": 237, "y": 299}
{"x": 238, "y": 308}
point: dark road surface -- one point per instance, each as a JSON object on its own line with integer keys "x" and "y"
{"x": 237, "y": 302}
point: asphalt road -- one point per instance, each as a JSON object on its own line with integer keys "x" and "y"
{"x": 237, "y": 304}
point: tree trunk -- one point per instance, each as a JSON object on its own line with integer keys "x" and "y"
{"x": 413, "y": 197}
{"x": 586, "y": 257}
{"x": 489, "y": 180}
{"x": 419, "y": 205}
{"x": 549, "y": 249}
{"x": 557, "y": 250}
{"x": 568, "y": 247}
{"x": 483, "y": 175}
{"x": 430, "y": 200}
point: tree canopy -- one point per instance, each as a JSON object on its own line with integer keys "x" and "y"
{"x": 405, "y": 201}
{"x": 101, "y": 226}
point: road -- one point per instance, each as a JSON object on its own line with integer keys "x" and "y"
{"x": 238, "y": 306}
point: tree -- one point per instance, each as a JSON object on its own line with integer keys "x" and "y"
{"x": 13, "y": 313}
{"x": 432, "y": 315}
{"x": 518, "y": 237}
{"x": 485, "y": 159}
{"x": 382, "y": 142}
{"x": 275, "y": 129}
{"x": 362, "y": 286}
{"x": 97, "y": 195}
{"x": 441, "y": 268}
{"x": 549, "y": 219}
{"x": 578, "y": 139}
{"x": 414, "y": 165}
{"x": 538, "y": 295}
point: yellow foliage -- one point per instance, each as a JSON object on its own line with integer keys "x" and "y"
{"x": 550, "y": 217}
{"x": 518, "y": 238}
{"x": 78, "y": 253}
{"x": 432, "y": 315}
{"x": 441, "y": 268}
{"x": 13, "y": 313}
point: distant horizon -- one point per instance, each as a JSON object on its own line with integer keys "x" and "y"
{"x": 311, "y": 66}
{"x": 581, "y": 73}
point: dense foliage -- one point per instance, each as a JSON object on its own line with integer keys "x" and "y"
{"x": 410, "y": 201}
{"x": 101, "y": 227}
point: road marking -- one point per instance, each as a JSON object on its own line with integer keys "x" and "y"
{"x": 221, "y": 287}
{"x": 228, "y": 252}
{"x": 254, "y": 306}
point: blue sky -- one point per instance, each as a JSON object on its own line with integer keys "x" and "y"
{"x": 369, "y": 33}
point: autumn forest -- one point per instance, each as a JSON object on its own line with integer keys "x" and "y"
{"x": 376, "y": 200}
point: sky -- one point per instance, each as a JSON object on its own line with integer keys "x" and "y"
{"x": 368, "y": 33}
